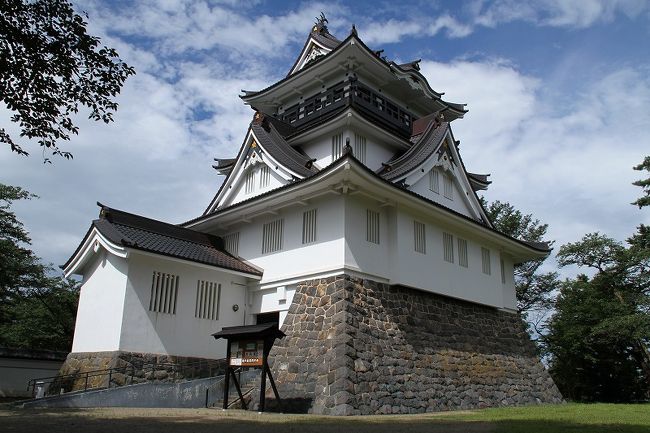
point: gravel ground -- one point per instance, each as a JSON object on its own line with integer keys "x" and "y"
{"x": 134, "y": 420}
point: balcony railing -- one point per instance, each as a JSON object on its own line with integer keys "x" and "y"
{"x": 344, "y": 93}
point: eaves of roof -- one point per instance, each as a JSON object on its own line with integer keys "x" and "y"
{"x": 459, "y": 108}
{"x": 416, "y": 154}
{"x": 145, "y": 234}
{"x": 537, "y": 246}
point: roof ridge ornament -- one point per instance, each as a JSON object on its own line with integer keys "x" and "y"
{"x": 320, "y": 24}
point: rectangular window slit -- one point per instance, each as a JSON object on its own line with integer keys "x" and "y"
{"x": 164, "y": 293}
{"x": 419, "y": 237}
{"x": 448, "y": 247}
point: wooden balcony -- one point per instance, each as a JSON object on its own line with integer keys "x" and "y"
{"x": 350, "y": 93}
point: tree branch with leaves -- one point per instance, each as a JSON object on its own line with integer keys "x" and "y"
{"x": 49, "y": 68}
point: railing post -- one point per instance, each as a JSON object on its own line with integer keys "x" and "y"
{"x": 86, "y": 386}
{"x": 110, "y": 376}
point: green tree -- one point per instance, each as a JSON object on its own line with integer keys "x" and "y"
{"x": 37, "y": 310}
{"x": 49, "y": 67}
{"x": 534, "y": 289}
{"x": 643, "y": 183}
{"x": 599, "y": 335}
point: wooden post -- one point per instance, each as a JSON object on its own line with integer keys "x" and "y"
{"x": 263, "y": 384}
{"x": 241, "y": 396}
{"x": 275, "y": 390}
{"x": 226, "y": 382}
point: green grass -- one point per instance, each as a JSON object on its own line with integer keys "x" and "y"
{"x": 573, "y": 417}
{"x": 569, "y": 418}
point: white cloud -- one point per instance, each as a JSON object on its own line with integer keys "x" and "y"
{"x": 555, "y": 13}
{"x": 391, "y": 31}
{"x": 570, "y": 164}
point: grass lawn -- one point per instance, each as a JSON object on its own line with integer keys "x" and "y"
{"x": 571, "y": 418}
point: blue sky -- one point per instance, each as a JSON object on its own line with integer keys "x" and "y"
{"x": 558, "y": 93}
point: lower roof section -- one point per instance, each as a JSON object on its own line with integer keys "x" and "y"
{"x": 120, "y": 231}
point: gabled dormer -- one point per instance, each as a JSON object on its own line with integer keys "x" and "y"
{"x": 319, "y": 43}
{"x": 433, "y": 168}
{"x": 265, "y": 162}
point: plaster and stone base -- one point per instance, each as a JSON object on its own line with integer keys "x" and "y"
{"x": 355, "y": 346}
{"x": 133, "y": 368}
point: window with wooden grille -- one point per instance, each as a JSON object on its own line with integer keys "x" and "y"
{"x": 265, "y": 176}
{"x": 337, "y": 146}
{"x": 360, "y": 147}
{"x": 309, "y": 226}
{"x": 372, "y": 226}
{"x": 419, "y": 237}
{"x": 448, "y": 247}
{"x": 231, "y": 243}
{"x": 164, "y": 293}
{"x": 434, "y": 181}
{"x": 485, "y": 259}
{"x": 448, "y": 190}
{"x": 208, "y": 295}
{"x": 462, "y": 252}
{"x": 503, "y": 271}
{"x": 272, "y": 236}
{"x": 249, "y": 182}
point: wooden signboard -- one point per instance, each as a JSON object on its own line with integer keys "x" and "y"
{"x": 249, "y": 346}
{"x": 246, "y": 353}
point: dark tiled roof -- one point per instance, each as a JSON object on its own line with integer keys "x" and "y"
{"x": 478, "y": 181}
{"x": 271, "y": 140}
{"x": 140, "y": 233}
{"x": 262, "y": 330}
{"x": 326, "y": 38}
{"x": 407, "y": 68}
{"x": 416, "y": 154}
{"x": 224, "y": 166}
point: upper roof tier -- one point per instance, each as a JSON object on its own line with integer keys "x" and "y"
{"x": 325, "y": 61}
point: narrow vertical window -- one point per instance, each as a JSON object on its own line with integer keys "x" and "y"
{"x": 208, "y": 296}
{"x": 448, "y": 247}
{"x": 372, "y": 226}
{"x": 249, "y": 182}
{"x": 485, "y": 259}
{"x": 231, "y": 243}
{"x": 434, "y": 181}
{"x": 360, "y": 147}
{"x": 448, "y": 186}
{"x": 419, "y": 237}
{"x": 462, "y": 253}
{"x": 164, "y": 293}
{"x": 309, "y": 226}
{"x": 337, "y": 146}
{"x": 265, "y": 176}
{"x": 272, "y": 236}
{"x": 503, "y": 271}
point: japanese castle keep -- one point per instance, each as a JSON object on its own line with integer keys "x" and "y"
{"x": 348, "y": 216}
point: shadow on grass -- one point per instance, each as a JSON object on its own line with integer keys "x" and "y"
{"x": 199, "y": 421}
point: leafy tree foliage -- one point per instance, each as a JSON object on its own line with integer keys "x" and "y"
{"x": 49, "y": 66}
{"x": 36, "y": 309}
{"x": 598, "y": 338}
{"x": 643, "y": 183}
{"x": 534, "y": 289}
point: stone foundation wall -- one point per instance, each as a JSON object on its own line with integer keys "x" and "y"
{"x": 356, "y": 346}
{"x": 132, "y": 368}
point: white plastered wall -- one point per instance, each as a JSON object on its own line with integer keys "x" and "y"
{"x": 295, "y": 259}
{"x": 181, "y": 333}
{"x": 101, "y": 304}
{"x": 431, "y": 272}
{"x": 457, "y": 202}
{"x": 377, "y": 152}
